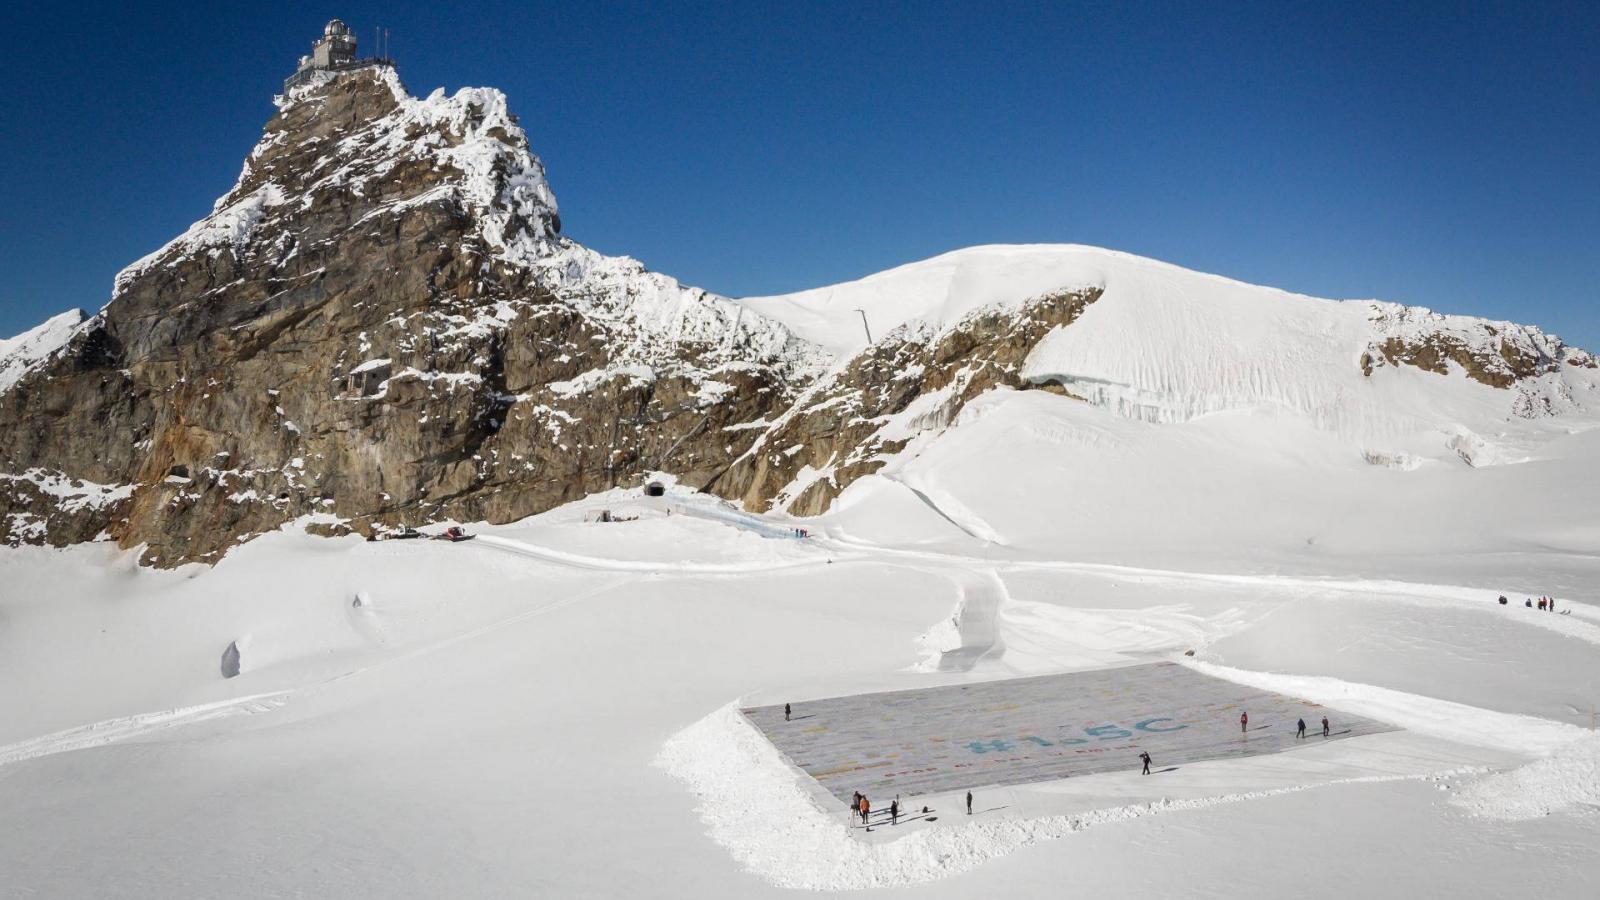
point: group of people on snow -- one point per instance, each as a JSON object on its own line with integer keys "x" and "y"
{"x": 1543, "y": 604}
{"x": 1300, "y": 726}
{"x": 861, "y": 806}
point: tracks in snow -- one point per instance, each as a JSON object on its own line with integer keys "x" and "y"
{"x": 111, "y": 731}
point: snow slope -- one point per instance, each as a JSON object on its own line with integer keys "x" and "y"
{"x": 547, "y": 710}
{"x": 19, "y": 354}
{"x": 1165, "y": 344}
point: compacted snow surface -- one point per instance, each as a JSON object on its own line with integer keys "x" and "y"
{"x": 552, "y": 708}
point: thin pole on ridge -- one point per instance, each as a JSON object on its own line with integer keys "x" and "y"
{"x": 864, "y": 326}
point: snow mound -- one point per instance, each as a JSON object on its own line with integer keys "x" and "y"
{"x": 21, "y": 353}
{"x": 1567, "y": 778}
{"x": 1444, "y": 719}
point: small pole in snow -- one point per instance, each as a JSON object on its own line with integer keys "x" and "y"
{"x": 864, "y": 326}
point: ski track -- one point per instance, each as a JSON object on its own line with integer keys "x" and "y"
{"x": 123, "y": 728}
{"x": 1582, "y": 625}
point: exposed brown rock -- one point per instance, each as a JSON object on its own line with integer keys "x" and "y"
{"x": 839, "y": 426}
{"x": 364, "y": 353}
{"x": 1501, "y": 368}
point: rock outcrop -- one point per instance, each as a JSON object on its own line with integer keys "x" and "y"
{"x": 914, "y": 380}
{"x": 1498, "y": 354}
{"x": 379, "y": 324}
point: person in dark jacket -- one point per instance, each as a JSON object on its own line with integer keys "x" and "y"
{"x": 894, "y": 812}
{"x": 786, "y": 712}
{"x": 969, "y": 803}
{"x": 1244, "y": 722}
{"x": 1145, "y": 756}
{"x": 1300, "y": 729}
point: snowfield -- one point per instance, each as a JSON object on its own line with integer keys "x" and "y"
{"x": 551, "y": 708}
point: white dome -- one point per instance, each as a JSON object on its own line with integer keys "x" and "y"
{"x": 336, "y": 28}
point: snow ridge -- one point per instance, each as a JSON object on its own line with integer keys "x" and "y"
{"x": 1167, "y": 345}
{"x": 18, "y": 355}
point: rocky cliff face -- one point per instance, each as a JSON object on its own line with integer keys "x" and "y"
{"x": 381, "y": 324}
{"x": 912, "y": 382}
{"x": 378, "y": 324}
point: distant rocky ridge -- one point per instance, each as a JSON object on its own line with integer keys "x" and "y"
{"x": 381, "y": 324}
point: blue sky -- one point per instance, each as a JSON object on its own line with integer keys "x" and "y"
{"x": 1425, "y": 153}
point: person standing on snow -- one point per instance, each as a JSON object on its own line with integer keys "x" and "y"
{"x": 866, "y": 806}
{"x": 1300, "y": 730}
{"x": 969, "y": 803}
{"x": 1244, "y": 722}
{"x": 855, "y": 804}
{"x": 1145, "y": 756}
{"x": 894, "y": 812}
{"x": 1324, "y": 726}
{"x": 786, "y": 712}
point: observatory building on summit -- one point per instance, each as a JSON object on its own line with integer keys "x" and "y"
{"x": 337, "y": 48}
{"x": 335, "y": 51}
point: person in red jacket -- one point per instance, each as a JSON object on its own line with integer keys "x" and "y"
{"x": 1244, "y": 722}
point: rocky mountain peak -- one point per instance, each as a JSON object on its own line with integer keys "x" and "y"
{"x": 381, "y": 324}
{"x": 378, "y": 324}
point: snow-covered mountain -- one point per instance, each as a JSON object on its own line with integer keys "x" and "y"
{"x": 1155, "y": 343}
{"x": 381, "y": 324}
{"x": 1050, "y": 461}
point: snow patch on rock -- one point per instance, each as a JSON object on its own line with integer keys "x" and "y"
{"x": 20, "y": 354}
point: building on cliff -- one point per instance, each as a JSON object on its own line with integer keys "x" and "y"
{"x": 335, "y": 51}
